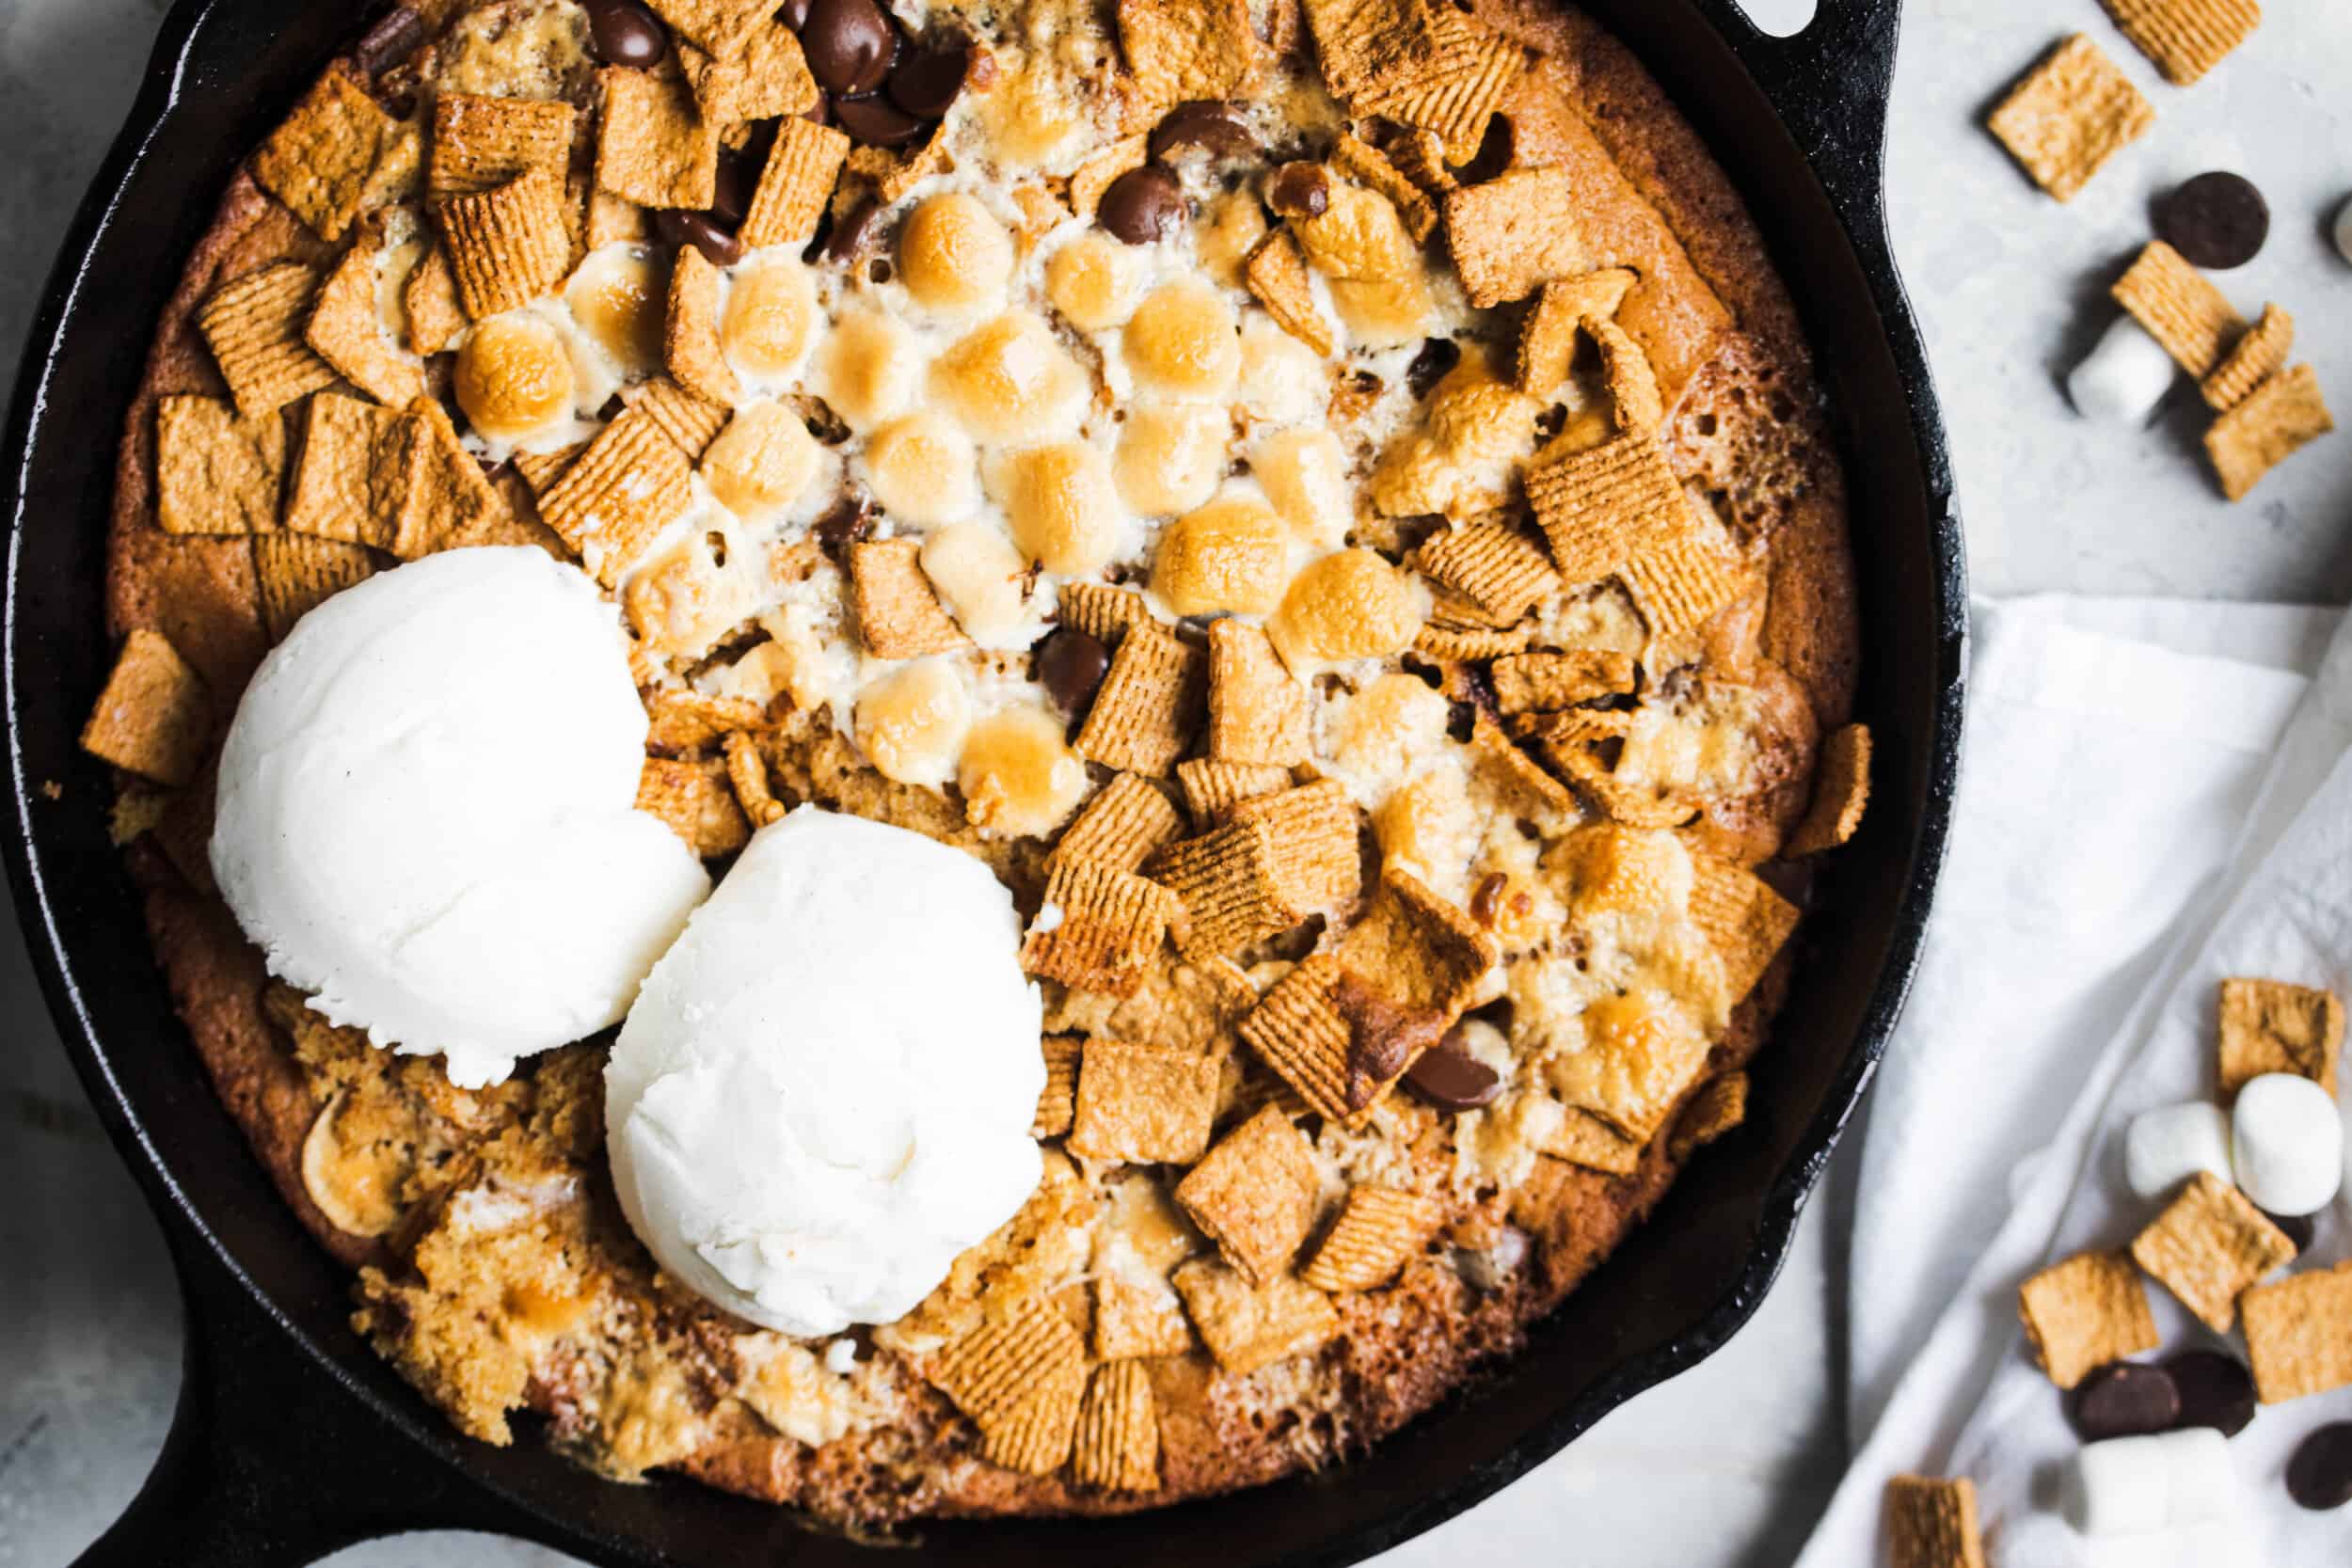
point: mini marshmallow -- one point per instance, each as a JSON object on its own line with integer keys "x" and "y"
{"x": 2165, "y": 1147}
{"x": 2287, "y": 1144}
{"x": 2171, "y": 1480}
{"x": 2123, "y": 378}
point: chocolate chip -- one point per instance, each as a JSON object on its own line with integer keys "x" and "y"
{"x": 1451, "y": 1079}
{"x": 848, "y": 521}
{"x": 820, "y": 112}
{"x": 626, "y": 33}
{"x": 701, "y": 231}
{"x": 1299, "y": 191}
{"x": 1382, "y": 1035}
{"x": 2216, "y": 1390}
{"x": 876, "y": 122}
{"x": 2124, "y": 1399}
{"x": 794, "y": 14}
{"x": 1070, "y": 665}
{"x": 1485, "y": 901}
{"x": 853, "y": 232}
{"x": 849, "y": 44}
{"x": 734, "y": 186}
{"x": 2216, "y": 220}
{"x": 927, "y": 82}
{"x": 1142, "y": 205}
{"x": 1438, "y": 355}
{"x": 2319, "y": 1474}
{"x": 2299, "y": 1229}
{"x": 1211, "y": 126}
{"x": 392, "y": 39}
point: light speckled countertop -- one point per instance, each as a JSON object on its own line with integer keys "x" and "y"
{"x": 1730, "y": 1463}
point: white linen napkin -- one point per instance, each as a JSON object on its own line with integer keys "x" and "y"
{"x": 2128, "y": 766}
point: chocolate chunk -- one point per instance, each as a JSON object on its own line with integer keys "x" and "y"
{"x": 853, "y": 232}
{"x": 1382, "y": 1035}
{"x": 1071, "y": 665}
{"x": 848, "y": 521}
{"x": 736, "y": 183}
{"x": 2216, "y": 220}
{"x": 392, "y": 39}
{"x": 2319, "y": 1474}
{"x": 2299, "y": 1229}
{"x": 794, "y": 14}
{"x": 1299, "y": 191}
{"x": 701, "y": 231}
{"x": 2124, "y": 1399}
{"x": 1451, "y": 1079}
{"x": 1486, "y": 900}
{"x": 876, "y": 122}
{"x": 820, "y": 112}
{"x": 626, "y": 33}
{"x": 849, "y": 44}
{"x": 1206, "y": 123}
{"x": 2216, "y": 1390}
{"x": 1438, "y": 355}
{"x": 1142, "y": 205}
{"x": 925, "y": 83}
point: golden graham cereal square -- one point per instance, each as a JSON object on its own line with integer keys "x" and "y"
{"x": 689, "y": 338}
{"x": 1514, "y": 233}
{"x": 652, "y": 146}
{"x": 2185, "y": 39}
{"x": 295, "y": 572}
{"x": 154, "y": 717}
{"x": 1213, "y": 789}
{"x": 1117, "y": 1445}
{"x": 995, "y": 1371}
{"x": 1717, "y": 1107}
{"x": 352, "y": 480}
{"x": 1634, "y": 400}
{"x": 253, "y": 324}
{"x": 347, "y": 331}
{"x": 1598, "y": 507}
{"x": 429, "y": 300}
{"x": 1274, "y": 273}
{"x": 1258, "y": 710}
{"x": 1148, "y": 705}
{"x": 1103, "y": 613}
{"x": 795, "y": 184}
{"x": 747, "y": 772}
{"x": 1227, "y": 882}
{"x": 1498, "y": 569}
{"x": 1245, "y": 1327}
{"x": 1121, "y": 827}
{"x": 2208, "y": 1245}
{"x": 697, "y": 801}
{"x": 2272, "y": 1026}
{"x": 2085, "y": 1311}
{"x": 1300, "y": 1032}
{"x": 2179, "y": 306}
{"x": 1562, "y": 678}
{"x": 215, "y": 473}
{"x": 1098, "y": 929}
{"x": 1058, "y": 1102}
{"x": 318, "y": 163}
{"x": 1133, "y": 1320}
{"x": 2257, "y": 357}
{"x": 1318, "y": 856}
{"x": 899, "y": 613}
{"x": 1368, "y": 166}
{"x": 1417, "y": 948}
{"x": 692, "y": 422}
{"x": 721, "y": 27}
{"x": 1254, "y": 1195}
{"x": 2069, "y": 116}
{"x": 611, "y": 503}
{"x": 1841, "y": 789}
{"x": 480, "y": 144}
{"x": 1144, "y": 1105}
{"x": 768, "y": 80}
{"x": 2298, "y": 1333}
{"x": 2275, "y": 421}
{"x": 508, "y": 245}
{"x": 1378, "y": 1230}
{"x": 1583, "y": 1139}
{"x": 1741, "y": 916}
{"x": 1932, "y": 1523}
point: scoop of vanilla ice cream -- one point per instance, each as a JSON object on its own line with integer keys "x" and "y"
{"x": 824, "y": 1091}
{"x": 427, "y": 812}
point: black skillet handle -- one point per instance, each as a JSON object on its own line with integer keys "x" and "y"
{"x": 270, "y": 1462}
{"x": 1831, "y": 83}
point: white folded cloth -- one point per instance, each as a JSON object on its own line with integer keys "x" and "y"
{"x": 2130, "y": 766}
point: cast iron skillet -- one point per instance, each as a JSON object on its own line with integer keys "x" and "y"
{"x": 292, "y": 1439}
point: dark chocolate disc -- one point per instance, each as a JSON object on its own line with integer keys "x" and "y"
{"x": 2124, "y": 1399}
{"x": 1300, "y": 190}
{"x": 2319, "y": 1473}
{"x": 701, "y": 231}
{"x": 1206, "y": 123}
{"x": 876, "y": 122}
{"x": 849, "y": 44}
{"x": 1070, "y": 665}
{"x": 2216, "y": 220}
{"x": 1451, "y": 1079}
{"x": 626, "y": 33}
{"x": 854, "y": 232}
{"x": 392, "y": 39}
{"x": 2216, "y": 1390}
{"x": 925, "y": 83}
{"x": 1142, "y": 205}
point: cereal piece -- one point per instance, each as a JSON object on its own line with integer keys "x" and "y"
{"x": 2185, "y": 38}
{"x": 1378, "y": 1231}
{"x": 2083, "y": 1312}
{"x": 1103, "y": 613}
{"x": 1461, "y": 72}
{"x": 1362, "y": 42}
{"x": 2298, "y": 1333}
{"x": 652, "y": 147}
{"x": 1415, "y": 948}
{"x": 1132, "y": 1320}
{"x": 2069, "y": 116}
{"x": 1535, "y": 683}
{"x": 1180, "y": 50}
{"x": 1035, "y": 1436}
{"x": 2180, "y": 307}
{"x": 692, "y": 422}
{"x": 894, "y": 174}
{"x": 480, "y": 144}
{"x": 154, "y": 717}
{"x": 1145, "y": 1104}
{"x": 254, "y": 324}
{"x": 1740, "y": 915}
{"x": 1513, "y": 233}
{"x": 1246, "y": 1327}
{"x": 1099, "y": 928}
{"x": 1275, "y": 272}
{"x": 1212, "y": 788}
{"x": 2208, "y": 1245}
{"x": 1562, "y": 308}
{"x": 215, "y": 473}
{"x": 319, "y": 161}
{"x": 1841, "y": 788}
{"x": 1301, "y": 1033}
{"x": 1009, "y": 1376}
{"x": 1597, "y": 506}
{"x": 1121, "y": 827}
{"x": 1119, "y": 1430}
{"x": 899, "y": 613}
{"x": 687, "y": 720}
{"x": 295, "y": 572}
{"x": 1635, "y": 402}
{"x": 1257, "y": 711}
{"x": 1058, "y": 1102}
{"x": 346, "y": 330}
{"x": 352, "y": 480}
{"x": 768, "y": 79}
{"x": 1468, "y": 644}
{"x": 2277, "y": 419}
{"x": 507, "y": 246}
{"x": 1500, "y": 572}
{"x": 1254, "y": 1195}
{"x": 1687, "y": 570}
{"x": 696, "y": 802}
{"x": 1932, "y": 1523}
{"x": 794, "y": 185}
{"x": 1149, "y": 704}
{"x": 721, "y": 27}
{"x": 448, "y": 501}
{"x": 611, "y": 503}
{"x": 747, "y": 772}
{"x": 1583, "y": 1139}
{"x": 2260, "y": 354}
{"x": 2271, "y": 1026}
{"x": 690, "y": 339}
{"x": 1097, "y": 171}
{"x": 1368, "y": 166}
{"x": 1317, "y": 858}
{"x": 1227, "y": 881}
{"x": 429, "y": 301}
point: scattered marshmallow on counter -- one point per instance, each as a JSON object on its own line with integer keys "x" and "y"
{"x": 2121, "y": 381}
{"x": 2131, "y": 1486}
{"x": 2165, "y": 1147}
{"x": 2287, "y": 1144}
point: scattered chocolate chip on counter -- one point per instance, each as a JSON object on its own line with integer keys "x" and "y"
{"x": 2124, "y": 1399}
{"x": 2216, "y": 1390}
{"x": 2319, "y": 1472}
{"x": 2216, "y": 220}
{"x": 2343, "y": 229}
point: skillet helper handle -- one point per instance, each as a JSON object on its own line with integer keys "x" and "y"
{"x": 269, "y": 1463}
{"x": 1831, "y": 83}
